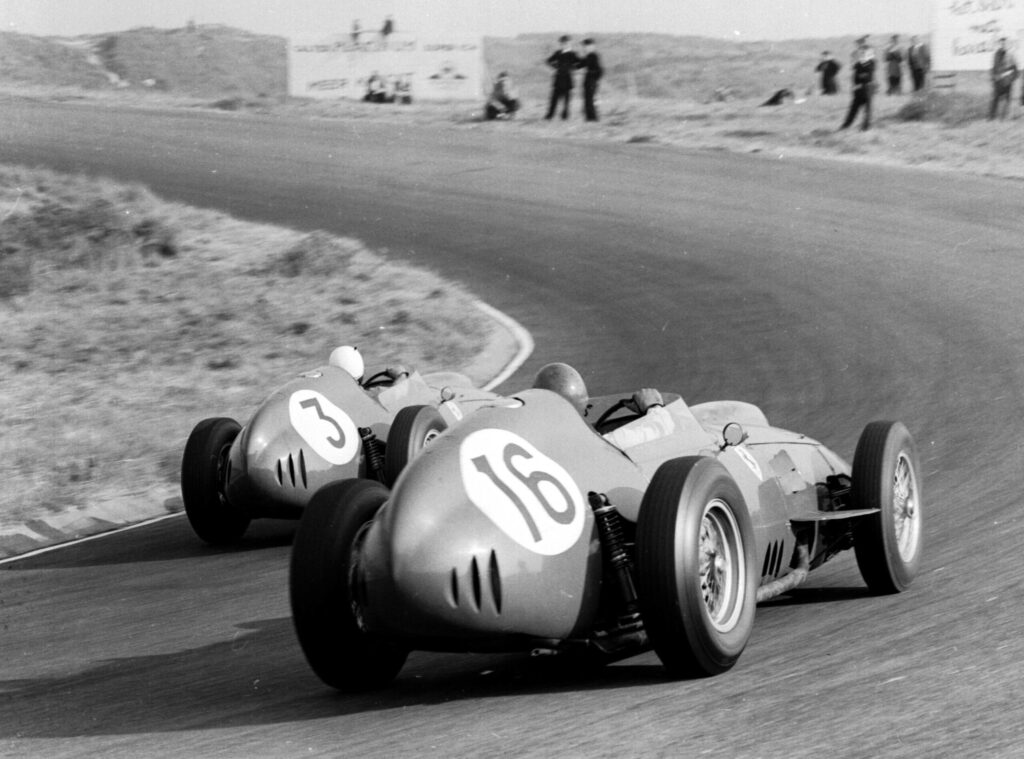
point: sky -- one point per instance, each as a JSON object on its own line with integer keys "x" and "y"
{"x": 739, "y": 19}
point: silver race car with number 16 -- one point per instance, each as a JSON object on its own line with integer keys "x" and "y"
{"x": 551, "y": 521}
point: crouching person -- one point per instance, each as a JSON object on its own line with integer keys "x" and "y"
{"x": 503, "y": 103}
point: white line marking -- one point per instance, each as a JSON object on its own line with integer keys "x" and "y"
{"x": 87, "y": 538}
{"x": 521, "y": 335}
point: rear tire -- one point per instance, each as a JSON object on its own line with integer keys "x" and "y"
{"x": 202, "y": 482}
{"x": 885, "y": 477}
{"x": 695, "y": 575}
{"x": 321, "y": 586}
{"x": 411, "y": 430}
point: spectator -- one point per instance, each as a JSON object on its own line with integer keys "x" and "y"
{"x": 503, "y": 103}
{"x": 828, "y": 67}
{"x": 564, "y": 61}
{"x": 591, "y": 63}
{"x": 387, "y": 30}
{"x": 1003, "y": 73}
{"x": 919, "y": 60}
{"x": 403, "y": 90}
{"x": 863, "y": 84}
{"x": 357, "y": 29}
{"x": 376, "y": 90}
{"x": 779, "y": 97}
{"x": 894, "y": 66}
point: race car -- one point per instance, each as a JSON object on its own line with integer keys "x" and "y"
{"x": 533, "y": 527}
{"x": 324, "y": 425}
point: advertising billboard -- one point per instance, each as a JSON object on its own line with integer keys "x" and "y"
{"x": 426, "y": 69}
{"x": 966, "y": 32}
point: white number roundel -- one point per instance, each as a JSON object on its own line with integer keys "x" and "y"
{"x": 328, "y": 430}
{"x": 524, "y": 492}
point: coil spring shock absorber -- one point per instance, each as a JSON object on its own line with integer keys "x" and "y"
{"x": 609, "y": 528}
{"x": 374, "y": 454}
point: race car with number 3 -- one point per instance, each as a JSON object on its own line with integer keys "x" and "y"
{"x": 324, "y": 425}
{"x": 531, "y": 526}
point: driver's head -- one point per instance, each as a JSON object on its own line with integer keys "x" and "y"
{"x": 349, "y": 358}
{"x": 566, "y": 381}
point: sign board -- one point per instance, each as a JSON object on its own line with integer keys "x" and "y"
{"x": 341, "y": 67}
{"x": 966, "y": 32}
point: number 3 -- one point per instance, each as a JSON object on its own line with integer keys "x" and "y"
{"x": 314, "y": 403}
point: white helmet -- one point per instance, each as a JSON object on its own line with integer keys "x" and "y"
{"x": 349, "y": 358}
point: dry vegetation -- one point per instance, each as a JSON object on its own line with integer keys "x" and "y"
{"x": 203, "y": 61}
{"x": 125, "y": 319}
{"x": 28, "y": 60}
{"x": 688, "y": 91}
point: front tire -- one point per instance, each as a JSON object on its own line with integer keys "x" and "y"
{"x": 321, "y": 584}
{"x": 695, "y": 567}
{"x": 412, "y": 429}
{"x": 202, "y": 482}
{"x": 885, "y": 477}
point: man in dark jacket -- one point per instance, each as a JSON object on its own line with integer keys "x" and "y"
{"x": 591, "y": 64}
{"x": 828, "y": 67}
{"x": 1003, "y": 74}
{"x": 919, "y": 60}
{"x": 863, "y": 84}
{"x": 564, "y": 61}
{"x": 894, "y": 66}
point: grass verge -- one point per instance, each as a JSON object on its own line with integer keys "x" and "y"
{"x": 124, "y": 319}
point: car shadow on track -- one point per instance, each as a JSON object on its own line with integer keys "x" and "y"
{"x": 168, "y": 540}
{"x": 261, "y": 678}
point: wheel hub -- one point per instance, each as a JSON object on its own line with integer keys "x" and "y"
{"x": 905, "y": 511}
{"x": 717, "y": 578}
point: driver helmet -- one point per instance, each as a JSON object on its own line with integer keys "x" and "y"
{"x": 349, "y": 358}
{"x": 566, "y": 381}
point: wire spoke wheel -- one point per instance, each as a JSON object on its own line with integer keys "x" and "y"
{"x": 694, "y": 556}
{"x": 721, "y": 564}
{"x": 906, "y": 509}
{"x": 888, "y": 544}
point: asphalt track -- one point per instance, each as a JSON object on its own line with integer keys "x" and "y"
{"x": 830, "y": 293}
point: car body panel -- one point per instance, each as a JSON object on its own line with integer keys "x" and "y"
{"x": 488, "y": 535}
{"x": 306, "y": 434}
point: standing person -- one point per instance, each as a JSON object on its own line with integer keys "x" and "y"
{"x": 1003, "y": 73}
{"x": 894, "y": 66}
{"x": 828, "y": 67}
{"x": 919, "y": 60}
{"x": 564, "y": 61}
{"x": 387, "y": 30}
{"x": 591, "y": 64}
{"x": 863, "y": 84}
{"x": 357, "y": 29}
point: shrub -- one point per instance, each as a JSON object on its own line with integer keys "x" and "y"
{"x": 949, "y": 108}
{"x": 80, "y": 232}
{"x": 315, "y": 255}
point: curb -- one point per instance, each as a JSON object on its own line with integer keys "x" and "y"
{"x": 141, "y": 507}
{"x": 520, "y": 338}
